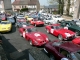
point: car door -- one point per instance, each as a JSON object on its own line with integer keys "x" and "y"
{"x": 65, "y": 53}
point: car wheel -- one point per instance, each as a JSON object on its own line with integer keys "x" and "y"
{"x": 47, "y": 30}
{"x": 49, "y": 23}
{"x": 30, "y": 42}
{"x": 35, "y": 25}
{"x": 52, "y": 57}
{"x": 60, "y": 37}
{"x": 58, "y": 21}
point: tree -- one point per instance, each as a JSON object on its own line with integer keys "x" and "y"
{"x": 60, "y": 7}
{"x": 68, "y": 7}
{"x": 24, "y": 10}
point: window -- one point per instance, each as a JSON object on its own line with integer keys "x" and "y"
{"x": 65, "y": 53}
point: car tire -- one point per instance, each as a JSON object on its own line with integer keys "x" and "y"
{"x": 60, "y": 37}
{"x": 35, "y": 25}
{"x": 47, "y": 31}
{"x": 52, "y": 57}
{"x": 30, "y": 42}
{"x": 49, "y": 23}
{"x": 58, "y": 21}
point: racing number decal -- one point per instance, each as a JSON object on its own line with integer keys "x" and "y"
{"x": 36, "y": 34}
{"x": 52, "y": 30}
{"x": 24, "y": 34}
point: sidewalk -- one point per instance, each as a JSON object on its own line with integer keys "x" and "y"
{"x": 67, "y": 17}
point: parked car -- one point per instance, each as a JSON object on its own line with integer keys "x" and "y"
{"x": 59, "y": 50}
{"x": 37, "y": 22}
{"x": 19, "y": 21}
{"x": 11, "y": 19}
{"x": 71, "y": 26}
{"x": 21, "y": 24}
{"x": 5, "y": 26}
{"x": 49, "y": 21}
{"x": 76, "y": 40}
{"x": 61, "y": 33}
{"x": 57, "y": 18}
{"x": 34, "y": 37}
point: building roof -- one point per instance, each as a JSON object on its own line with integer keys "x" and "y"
{"x": 24, "y": 2}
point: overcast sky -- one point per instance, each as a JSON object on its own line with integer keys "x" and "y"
{"x": 42, "y": 2}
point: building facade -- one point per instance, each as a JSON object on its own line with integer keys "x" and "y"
{"x": 30, "y": 4}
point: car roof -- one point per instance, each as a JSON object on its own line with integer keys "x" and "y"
{"x": 69, "y": 46}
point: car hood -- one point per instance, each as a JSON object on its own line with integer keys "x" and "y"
{"x": 5, "y": 25}
{"x": 62, "y": 30}
{"x": 75, "y": 27}
{"x": 38, "y": 36}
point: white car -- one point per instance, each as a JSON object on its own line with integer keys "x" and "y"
{"x": 49, "y": 21}
{"x": 58, "y": 18}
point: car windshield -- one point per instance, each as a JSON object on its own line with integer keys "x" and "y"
{"x": 20, "y": 16}
{"x": 76, "y": 55}
{"x": 10, "y": 19}
{"x": 5, "y": 23}
{"x": 31, "y": 30}
{"x": 56, "y": 27}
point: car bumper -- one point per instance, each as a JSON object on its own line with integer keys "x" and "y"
{"x": 69, "y": 38}
{"x": 6, "y": 30}
{"x": 40, "y": 44}
{"x": 39, "y": 24}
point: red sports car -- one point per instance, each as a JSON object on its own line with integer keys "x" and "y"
{"x": 76, "y": 41}
{"x": 33, "y": 36}
{"x": 37, "y": 22}
{"x": 59, "y": 50}
{"x": 61, "y": 33}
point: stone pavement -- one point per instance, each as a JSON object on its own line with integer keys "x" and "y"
{"x": 67, "y": 17}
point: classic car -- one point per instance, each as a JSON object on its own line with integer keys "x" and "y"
{"x": 49, "y": 21}
{"x": 5, "y": 26}
{"x": 21, "y": 24}
{"x": 37, "y": 22}
{"x": 11, "y": 19}
{"x": 57, "y": 18}
{"x": 71, "y": 26}
{"x": 76, "y": 40}
{"x": 61, "y": 33}
{"x": 34, "y": 37}
{"x": 59, "y": 50}
{"x": 29, "y": 18}
{"x": 19, "y": 21}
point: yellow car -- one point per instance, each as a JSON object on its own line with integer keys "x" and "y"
{"x": 5, "y": 26}
{"x": 29, "y": 18}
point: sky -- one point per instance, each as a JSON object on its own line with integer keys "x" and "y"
{"x": 42, "y": 2}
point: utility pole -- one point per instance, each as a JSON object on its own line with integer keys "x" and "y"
{"x": 76, "y": 9}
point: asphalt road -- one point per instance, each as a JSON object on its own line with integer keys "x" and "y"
{"x": 17, "y": 48}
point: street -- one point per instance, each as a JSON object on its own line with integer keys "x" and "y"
{"x": 17, "y": 47}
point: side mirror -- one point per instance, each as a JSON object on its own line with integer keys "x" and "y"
{"x": 64, "y": 59}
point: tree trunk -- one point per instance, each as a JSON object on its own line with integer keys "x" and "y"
{"x": 68, "y": 7}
